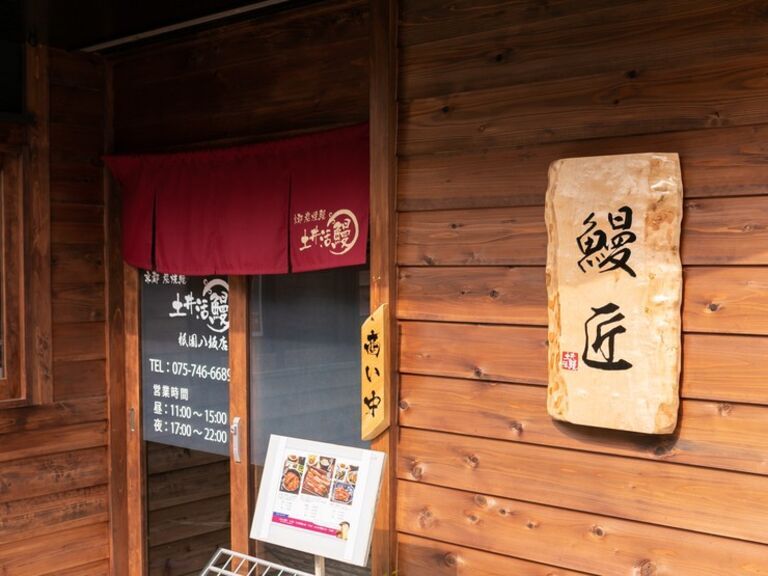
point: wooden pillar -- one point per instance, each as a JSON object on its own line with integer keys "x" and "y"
{"x": 241, "y": 493}
{"x": 383, "y": 126}
{"x": 135, "y": 460}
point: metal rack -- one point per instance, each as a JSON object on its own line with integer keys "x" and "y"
{"x": 229, "y": 563}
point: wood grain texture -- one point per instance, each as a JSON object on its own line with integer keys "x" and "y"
{"x": 233, "y": 44}
{"x": 710, "y": 434}
{"x": 166, "y": 458}
{"x": 715, "y": 163}
{"x": 421, "y": 556}
{"x": 491, "y": 93}
{"x": 714, "y": 231}
{"x": 727, "y": 368}
{"x": 37, "y": 229}
{"x": 241, "y": 497}
{"x": 726, "y": 300}
{"x": 720, "y": 368}
{"x": 186, "y": 556}
{"x": 575, "y": 540}
{"x": 715, "y": 300}
{"x": 230, "y": 85}
{"x": 76, "y": 341}
{"x": 79, "y": 303}
{"x": 500, "y": 353}
{"x": 67, "y": 550}
{"x": 73, "y": 263}
{"x": 181, "y": 522}
{"x": 654, "y": 492}
{"x": 430, "y": 20}
{"x": 98, "y": 568}
{"x": 522, "y": 51}
{"x": 79, "y": 379}
{"x": 54, "y": 476}
{"x": 187, "y": 486}
{"x": 610, "y": 104}
{"x": 51, "y": 474}
{"x": 77, "y": 224}
{"x": 34, "y": 517}
{"x": 383, "y": 55}
{"x": 492, "y": 295}
{"x": 29, "y": 444}
{"x": 136, "y": 450}
{"x": 62, "y": 413}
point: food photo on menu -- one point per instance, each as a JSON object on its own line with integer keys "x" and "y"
{"x": 345, "y": 479}
{"x": 293, "y": 469}
{"x": 317, "y": 481}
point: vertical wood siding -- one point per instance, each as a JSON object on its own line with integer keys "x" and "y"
{"x": 491, "y": 93}
{"x": 54, "y": 498}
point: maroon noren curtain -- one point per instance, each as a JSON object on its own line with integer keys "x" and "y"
{"x": 244, "y": 210}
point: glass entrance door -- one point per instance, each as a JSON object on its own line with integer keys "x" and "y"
{"x": 304, "y": 333}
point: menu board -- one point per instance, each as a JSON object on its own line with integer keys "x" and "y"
{"x": 318, "y": 498}
{"x": 185, "y": 361}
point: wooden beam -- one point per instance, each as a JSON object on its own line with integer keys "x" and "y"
{"x": 383, "y": 134}
{"x": 116, "y": 393}
{"x": 37, "y": 232}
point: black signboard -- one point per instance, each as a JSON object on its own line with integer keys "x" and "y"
{"x": 185, "y": 361}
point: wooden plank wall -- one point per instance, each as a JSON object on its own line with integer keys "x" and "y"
{"x": 299, "y": 71}
{"x": 54, "y": 498}
{"x": 188, "y": 508}
{"x": 490, "y": 93}
{"x": 269, "y": 77}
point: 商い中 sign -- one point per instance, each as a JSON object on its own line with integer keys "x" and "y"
{"x": 185, "y": 361}
{"x": 374, "y": 376}
{"x": 614, "y": 280}
{"x": 318, "y": 498}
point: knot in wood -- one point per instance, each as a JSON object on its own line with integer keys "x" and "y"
{"x": 481, "y": 500}
{"x": 450, "y": 559}
{"x": 713, "y": 307}
{"x": 531, "y": 524}
{"x": 516, "y": 426}
{"x": 478, "y": 372}
{"x": 598, "y": 531}
{"x": 471, "y": 460}
{"x": 425, "y": 518}
{"x": 644, "y": 568}
{"x": 417, "y": 472}
{"x": 724, "y": 409}
{"x": 494, "y": 294}
{"x": 404, "y": 405}
{"x": 473, "y": 518}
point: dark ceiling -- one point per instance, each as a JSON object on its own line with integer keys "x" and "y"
{"x": 75, "y": 24}
{"x": 78, "y": 24}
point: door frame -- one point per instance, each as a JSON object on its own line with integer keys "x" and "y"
{"x": 383, "y": 290}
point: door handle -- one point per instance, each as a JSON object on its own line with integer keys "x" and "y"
{"x": 234, "y": 431}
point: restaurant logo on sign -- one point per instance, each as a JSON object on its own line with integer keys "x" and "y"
{"x": 338, "y": 233}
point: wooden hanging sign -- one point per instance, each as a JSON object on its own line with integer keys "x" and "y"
{"x": 374, "y": 388}
{"x": 614, "y": 280}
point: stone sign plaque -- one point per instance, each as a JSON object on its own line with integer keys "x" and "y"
{"x": 614, "y": 281}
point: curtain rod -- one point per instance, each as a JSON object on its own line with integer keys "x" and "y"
{"x": 183, "y": 25}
